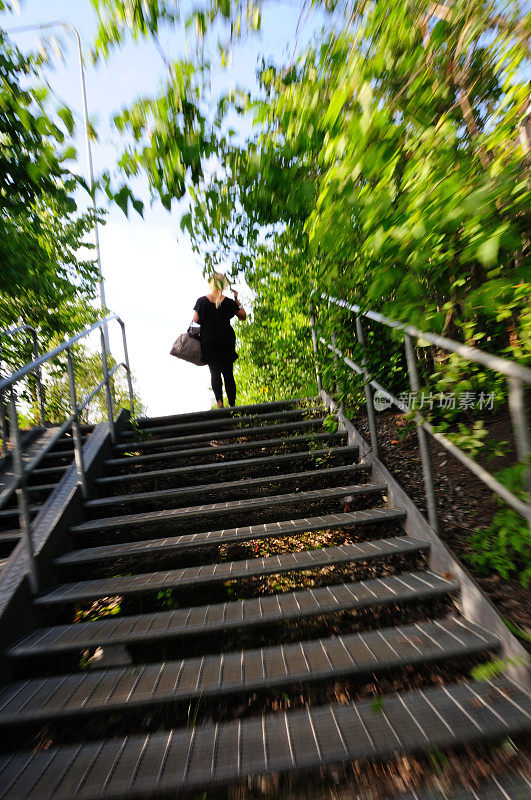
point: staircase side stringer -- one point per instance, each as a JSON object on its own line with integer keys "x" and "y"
{"x": 63, "y": 508}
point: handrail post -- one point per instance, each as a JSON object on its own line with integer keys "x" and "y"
{"x": 3, "y": 419}
{"x": 425, "y": 457}
{"x": 76, "y": 433}
{"x": 22, "y": 494}
{"x": 369, "y": 398}
{"x": 108, "y": 395}
{"x": 128, "y": 370}
{"x": 336, "y": 371}
{"x": 521, "y": 432}
{"x": 315, "y": 351}
{"x": 3, "y": 423}
{"x": 38, "y": 381}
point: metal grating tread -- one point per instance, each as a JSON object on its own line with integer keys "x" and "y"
{"x": 244, "y": 447}
{"x": 173, "y": 544}
{"x": 211, "y": 439}
{"x": 409, "y": 586}
{"x": 510, "y": 786}
{"x": 110, "y": 690}
{"x": 277, "y": 406}
{"x": 232, "y": 421}
{"x": 9, "y": 513}
{"x": 9, "y": 536}
{"x": 65, "y": 445}
{"x": 151, "y": 764}
{"x": 228, "y": 508}
{"x": 247, "y": 483}
{"x": 49, "y": 470}
{"x": 59, "y": 454}
{"x": 190, "y": 471}
{"x": 221, "y": 430}
{"x": 41, "y": 487}
{"x": 233, "y": 570}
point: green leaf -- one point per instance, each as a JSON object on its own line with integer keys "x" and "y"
{"x": 487, "y": 252}
{"x": 377, "y": 705}
{"x": 138, "y": 205}
{"x": 68, "y": 119}
{"x": 122, "y": 198}
{"x": 186, "y": 222}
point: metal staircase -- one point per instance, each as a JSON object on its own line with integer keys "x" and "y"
{"x": 42, "y": 480}
{"x": 251, "y": 566}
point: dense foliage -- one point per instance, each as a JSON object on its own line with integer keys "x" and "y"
{"x": 44, "y": 280}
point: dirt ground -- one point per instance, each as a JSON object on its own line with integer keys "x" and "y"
{"x": 464, "y": 502}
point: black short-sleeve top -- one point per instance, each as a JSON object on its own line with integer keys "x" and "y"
{"x": 218, "y": 340}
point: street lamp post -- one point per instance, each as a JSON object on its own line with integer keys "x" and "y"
{"x": 68, "y": 26}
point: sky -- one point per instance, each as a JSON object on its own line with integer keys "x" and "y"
{"x": 152, "y": 277}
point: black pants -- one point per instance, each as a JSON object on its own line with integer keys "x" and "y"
{"x": 217, "y": 369}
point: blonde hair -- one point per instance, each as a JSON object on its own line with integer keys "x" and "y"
{"x": 218, "y": 283}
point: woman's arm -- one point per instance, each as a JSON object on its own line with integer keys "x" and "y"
{"x": 241, "y": 313}
{"x": 195, "y": 318}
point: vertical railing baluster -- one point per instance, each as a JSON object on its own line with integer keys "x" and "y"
{"x": 517, "y": 410}
{"x": 425, "y": 457}
{"x": 315, "y": 352}
{"x": 76, "y": 432}
{"x": 3, "y": 420}
{"x": 3, "y": 423}
{"x": 22, "y": 494}
{"x": 128, "y": 370}
{"x": 38, "y": 381}
{"x": 369, "y": 397}
{"x": 336, "y": 373}
{"x": 108, "y": 394}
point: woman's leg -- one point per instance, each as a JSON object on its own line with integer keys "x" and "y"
{"x": 230, "y": 383}
{"x": 215, "y": 375}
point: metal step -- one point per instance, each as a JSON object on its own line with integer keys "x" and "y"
{"x": 258, "y": 611}
{"x": 66, "y": 445}
{"x": 46, "y": 472}
{"x": 8, "y": 514}
{"x": 177, "y": 544}
{"x": 58, "y": 459}
{"x": 41, "y": 488}
{"x": 220, "y": 413}
{"x": 209, "y": 455}
{"x": 510, "y": 786}
{"x": 268, "y": 465}
{"x": 179, "y": 443}
{"x": 217, "y": 425}
{"x": 155, "y": 764}
{"x": 220, "y": 492}
{"x": 52, "y": 698}
{"x": 9, "y": 536}
{"x": 233, "y": 570}
{"x": 265, "y": 505}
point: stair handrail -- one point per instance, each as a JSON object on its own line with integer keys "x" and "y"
{"x": 22, "y": 469}
{"x": 11, "y": 333}
{"x": 516, "y": 374}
